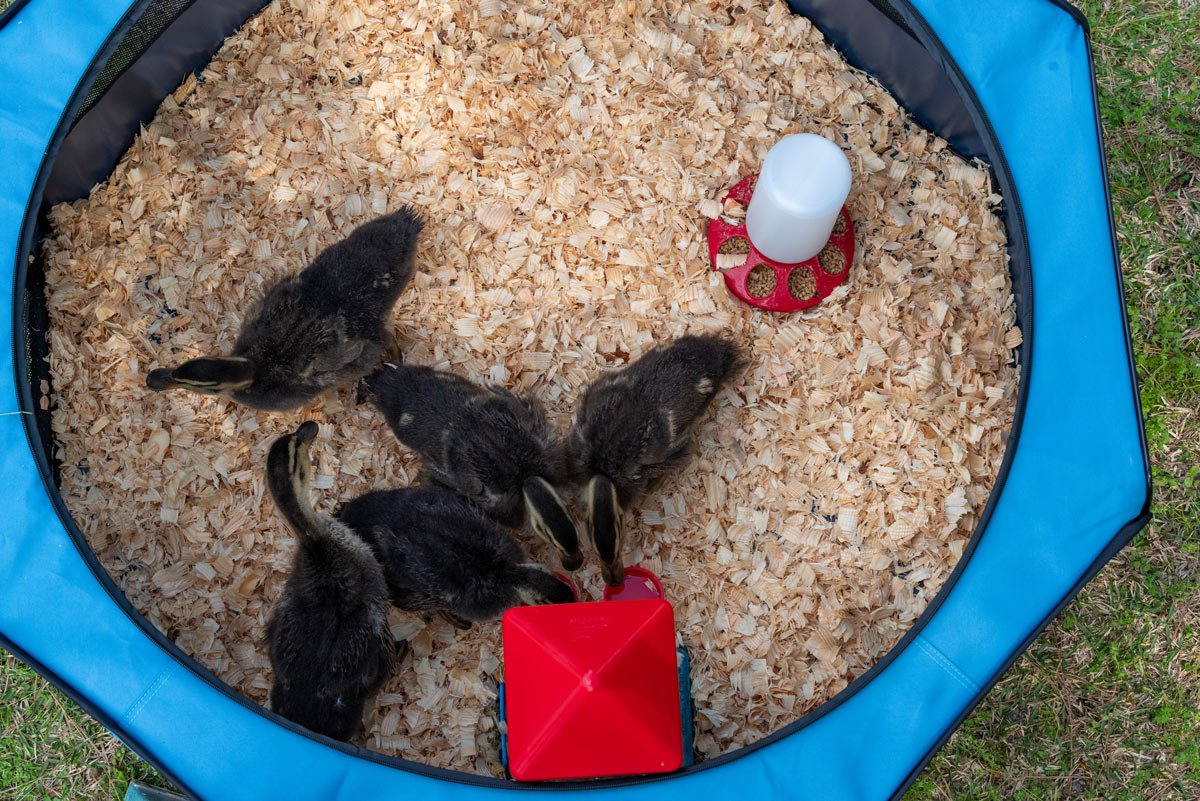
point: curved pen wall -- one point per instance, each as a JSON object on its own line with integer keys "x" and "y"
{"x": 1031, "y": 107}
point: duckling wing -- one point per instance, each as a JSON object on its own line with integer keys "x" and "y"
{"x": 530, "y": 444}
{"x": 457, "y": 466}
{"x": 479, "y": 441}
{"x": 272, "y": 319}
{"x": 503, "y": 440}
{"x": 636, "y": 454}
{"x": 365, "y": 273}
{"x": 632, "y": 425}
{"x": 471, "y": 558}
{"x": 301, "y": 347}
{"x": 542, "y": 445}
{"x": 410, "y": 585}
{"x": 663, "y": 448}
{"x": 451, "y": 559}
{"x": 364, "y": 653}
{"x": 477, "y": 461}
{"x": 684, "y": 376}
{"x": 420, "y": 404}
{"x": 608, "y": 434}
{"x": 438, "y": 551}
{"x": 432, "y": 413}
{"x": 339, "y": 351}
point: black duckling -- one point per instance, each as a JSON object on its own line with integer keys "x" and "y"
{"x": 320, "y": 329}
{"x": 328, "y": 637}
{"x": 440, "y": 554}
{"x": 485, "y": 443}
{"x": 631, "y": 429}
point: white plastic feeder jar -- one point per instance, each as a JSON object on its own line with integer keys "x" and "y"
{"x": 803, "y": 184}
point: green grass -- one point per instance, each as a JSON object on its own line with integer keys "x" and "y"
{"x": 1105, "y": 704}
{"x": 50, "y": 749}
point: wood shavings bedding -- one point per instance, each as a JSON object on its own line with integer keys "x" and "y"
{"x": 567, "y": 158}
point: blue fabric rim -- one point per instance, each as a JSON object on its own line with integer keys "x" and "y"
{"x": 26, "y": 402}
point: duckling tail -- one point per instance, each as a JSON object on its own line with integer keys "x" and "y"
{"x": 720, "y": 356}
{"x": 404, "y": 227}
{"x": 407, "y": 219}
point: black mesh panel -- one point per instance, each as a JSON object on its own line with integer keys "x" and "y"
{"x": 141, "y": 35}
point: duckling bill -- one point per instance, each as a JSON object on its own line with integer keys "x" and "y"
{"x": 492, "y": 447}
{"x": 632, "y": 427}
{"x": 322, "y": 328}
{"x": 328, "y": 638}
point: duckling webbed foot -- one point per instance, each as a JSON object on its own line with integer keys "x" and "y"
{"x": 360, "y": 394}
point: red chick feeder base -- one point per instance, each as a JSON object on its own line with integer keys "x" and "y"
{"x": 779, "y": 296}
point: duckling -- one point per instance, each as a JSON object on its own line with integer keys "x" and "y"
{"x": 441, "y": 554}
{"x": 328, "y": 638}
{"x": 320, "y": 329}
{"x": 491, "y": 446}
{"x": 631, "y": 429}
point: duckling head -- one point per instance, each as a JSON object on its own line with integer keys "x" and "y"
{"x": 606, "y": 528}
{"x": 210, "y": 375}
{"x": 289, "y": 467}
{"x": 549, "y": 518}
{"x": 537, "y": 585}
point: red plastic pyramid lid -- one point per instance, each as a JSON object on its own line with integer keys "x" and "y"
{"x": 591, "y": 690}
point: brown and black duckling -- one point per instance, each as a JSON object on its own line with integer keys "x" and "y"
{"x": 441, "y": 554}
{"x": 328, "y": 637}
{"x": 632, "y": 428}
{"x": 320, "y": 329}
{"x": 485, "y": 443}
